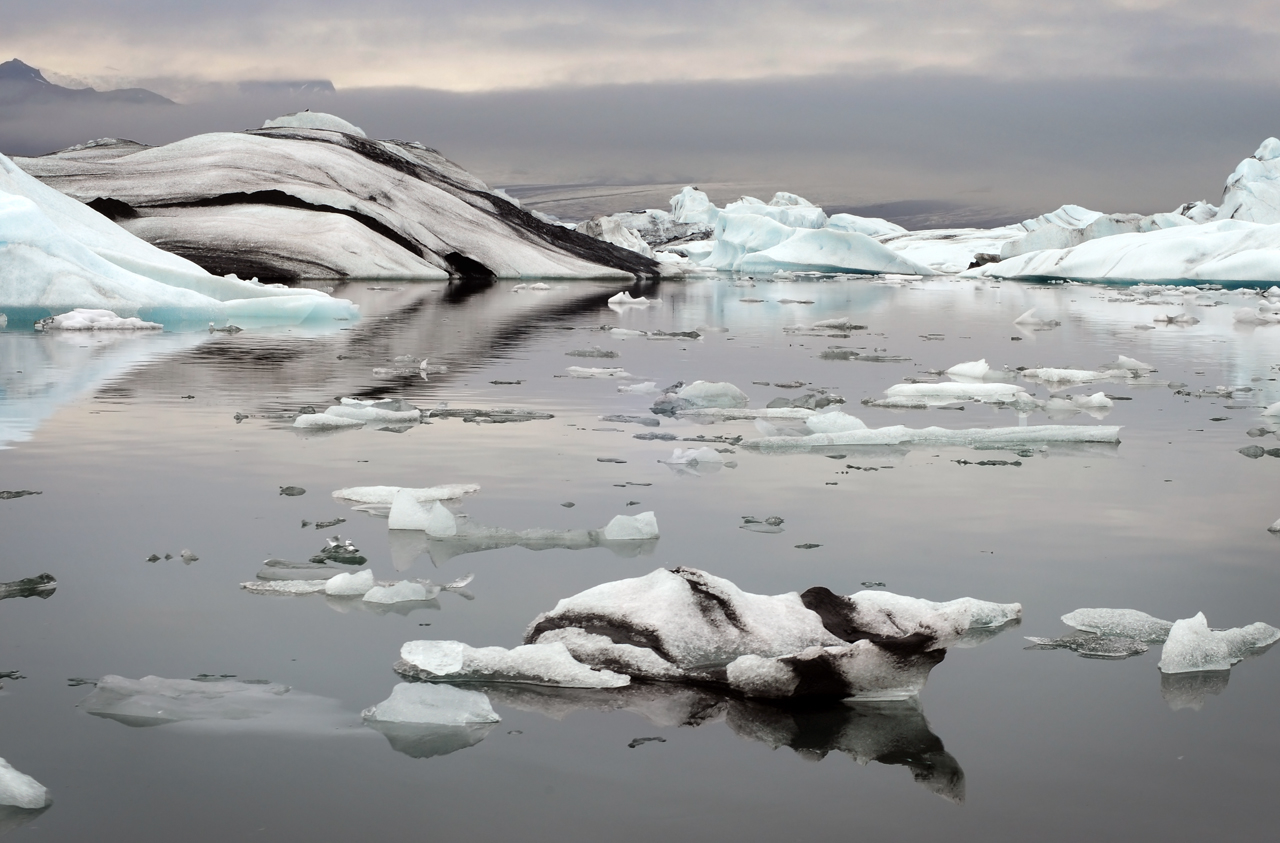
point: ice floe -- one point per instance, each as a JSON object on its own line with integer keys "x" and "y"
{"x": 900, "y": 435}
{"x": 1119, "y": 623}
{"x": 421, "y": 702}
{"x": 1192, "y": 646}
{"x": 85, "y": 319}
{"x": 214, "y": 704}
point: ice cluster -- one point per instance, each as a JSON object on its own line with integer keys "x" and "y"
{"x": 687, "y": 626}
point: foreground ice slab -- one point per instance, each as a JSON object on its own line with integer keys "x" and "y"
{"x": 218, "y": 705}
{"x": 57, "y": 254}
{"x": 294, "y": 201}
{"x": 1120, "y": 623}
{"x": 1192, "y": 646}
{"x": 685, "y": 625}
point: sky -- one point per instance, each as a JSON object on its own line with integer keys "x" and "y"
{"x": 1121, "y": 105}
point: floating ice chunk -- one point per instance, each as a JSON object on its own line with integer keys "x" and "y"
{"x": 952, "y": 391}
{"x": 432, "y": 517}
{"x": 631, "y": 527}
{"x": 977, "y": 370}
{"x": 1092, "y": 646}
{"x": 1067, "y": 375}
{"x": 646, "y": 388}
{"x": 1119, "y": 623}
{"x": 1193, "y": 646}
{"x": 286, "y": 587}
{"x": 727, "y": 414}
{"x": 625, "y": 299}
{"x": 350, "y": 585}
{"x": 1096, "y": 401}
{"x": 387, "y": 494}
{"x": 325, "y": 421}
{"x": 393, "y": 411}
{"x": 1275, "y": 527}
{"x": 701, "y": 394}
{"x": 86, "y": 319}
{"x": 314, "y": 120}
{"x": 540, "y": 286}
{"x": 900, "y": 435}
{"x": 586, "y": 372}
{"x": 1129, "y": 364}
{"x": 695, "y": 456}
{"x": 428, "y": 702}
{"x": 1272, "y": 410}
{"x": 19, "y": 790}
{"x": 405, "y": 591}
{"x": 841, "y": 323}
{"x": 836, "y": 421}
{"x": 1260, "y": 316}
{"x": 1030, "y": 320}
{"x": 536, "y": 664}
{"x": 893, "y": 615}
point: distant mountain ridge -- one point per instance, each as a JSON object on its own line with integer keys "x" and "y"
{"x": 20, "y": 83}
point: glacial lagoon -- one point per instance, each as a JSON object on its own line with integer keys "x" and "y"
{"x": 154, "y": 443}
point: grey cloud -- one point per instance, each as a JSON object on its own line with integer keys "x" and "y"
{"x": 1026, "y": 146}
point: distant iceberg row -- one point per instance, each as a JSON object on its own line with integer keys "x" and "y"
{"x": 1236, "y": 242}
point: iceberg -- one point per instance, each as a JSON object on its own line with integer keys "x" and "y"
{"x": 1072, "y": 225}
{"x": 57, "y": 254}
{"x": 612, "y": 230}
{"x": 685, "y": 625}
{"x": 1252, "y": 192}
{"x": 951, "y": 250}
{"x": 321, "y": 201}
{"x": 1192, "y": 646}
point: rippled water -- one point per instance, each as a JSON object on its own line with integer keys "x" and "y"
{"x": 136, "y": 448}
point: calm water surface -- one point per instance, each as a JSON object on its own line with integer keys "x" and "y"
{"x": 134, "y": 444}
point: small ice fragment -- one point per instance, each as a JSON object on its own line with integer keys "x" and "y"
{"x": 1274, "y": 528}
{"x": 292, "y": 491}
{"x": 976, "y": 369}
{"x": 836, "y": 421}
{"x": 1092, "y": 646}
{"x": 1193, "y": 646}
{"x": 1272, "y": 410}
{"x": 18, "y": 790}
{"x": 350, "y": 585}
{"x": 540, "y": 286}
{"x": 687, "y": 456}
{"x": 432, "y": 517}
{"x": 188, "y": 556}
{"x": 325, "y": 421}
{"x": 1098, "y": 400}
{"x": 646, "y": 388}
{"x": 385, "y": 495}
{"x": 1065, "y": 375}
{"x": 536, "y": 664}
{"x": 427, "y": 702}
{"x": 631, "y": 527}
{"x": 286, "y": 587}
{"x": 1132, "y": 365}
{"x": 586, "y": 372}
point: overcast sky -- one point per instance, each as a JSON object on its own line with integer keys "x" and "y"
{"x": 1121, "y": 104}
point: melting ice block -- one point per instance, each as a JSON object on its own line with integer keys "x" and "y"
{"x": 835, "y": 421}
{"x": 432, "y": 517}
{"x": 349, "y": 585}
{"x": 19, "y": 790}
{"x": 427, "y": 702}
{"x": 404, "y": 591}
{"x": 537, "y": 664}
{"x": 385, "y": 495}
{"x": 1193, "y": 646}
{"x": 976, "y": 369}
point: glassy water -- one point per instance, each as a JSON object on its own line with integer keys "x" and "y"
{"x": 154, "y": 444}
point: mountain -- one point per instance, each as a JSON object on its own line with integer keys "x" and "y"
{"x": 20, "y": 84}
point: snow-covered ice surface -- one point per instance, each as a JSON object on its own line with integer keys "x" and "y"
{"x": 144, "y": 443}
